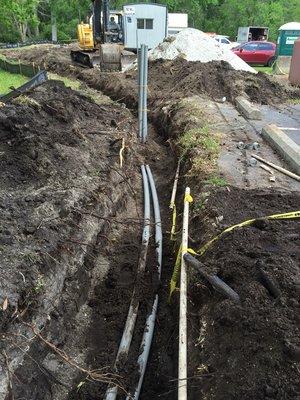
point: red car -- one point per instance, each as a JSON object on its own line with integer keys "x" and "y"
{"x": 259, "y": 53}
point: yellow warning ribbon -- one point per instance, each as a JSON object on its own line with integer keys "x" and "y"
{"x": 289, "y": 215}
{"x": 202, "y": 250}
{"x": 174, "y": 216}
{"x": 176, "y": 270}
{"x": 188, "y": 198}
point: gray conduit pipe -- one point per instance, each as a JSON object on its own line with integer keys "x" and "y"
{"x": 124, "y": 346}
{"x": 140, "y": 88}
{"x": 150, "y": 322}
{"x": 145, "y": 87}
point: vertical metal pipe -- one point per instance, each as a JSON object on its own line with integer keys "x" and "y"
{"x": 140, "y": 85}
{"x": 182, "y": 358}
{"x": 145, "y": 86}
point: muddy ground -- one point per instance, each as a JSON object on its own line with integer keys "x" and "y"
{"x": 71, "y": 227}
{"x": 249, "y": 350}
{"x": 70, "y": 240}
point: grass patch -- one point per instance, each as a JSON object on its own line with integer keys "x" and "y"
{"x": 216, "y": 181}
{"x": 71, "y": 83}
{"x": 27, "y": 101}
{"x": 295, "y": 101}
{"x": 7, "y": 80}
{"x": 266, "y": 70}
{"x": 203, "y": 147}
{"x": 94, "y": 95}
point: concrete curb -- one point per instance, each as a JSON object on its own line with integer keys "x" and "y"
{"x": 247, "y": 109}
{"x": 288, "y": 149}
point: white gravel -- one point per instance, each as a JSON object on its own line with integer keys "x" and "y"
{"x": 194, "y": 45}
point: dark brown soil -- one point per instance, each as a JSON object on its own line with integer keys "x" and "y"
{"x": 168, "y": 79}
{"x": 61, "y": 190}
{"x": 214, "y": 79}
{"x": 70, "y": 240}
{"x": 249, "y": 350}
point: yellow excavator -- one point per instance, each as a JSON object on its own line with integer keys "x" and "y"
{"x": 100, "y": 41}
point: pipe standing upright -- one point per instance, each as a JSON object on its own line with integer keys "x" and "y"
{"x": 145, "y": 89}
{"x": 142, "y": 84}
{"x": 182, "y": 362}
{"x": 140, "y": 88}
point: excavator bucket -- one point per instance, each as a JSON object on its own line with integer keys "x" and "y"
{"x": 110, "y": 57}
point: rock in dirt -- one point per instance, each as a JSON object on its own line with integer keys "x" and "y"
{"x": 194, "y": 45}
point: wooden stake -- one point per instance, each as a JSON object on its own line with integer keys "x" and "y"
{"x": 283, "y": 170}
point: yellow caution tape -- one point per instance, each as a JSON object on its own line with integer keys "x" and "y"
{"x": 188, "y": 198}
{"x": 176, "y": 270}
{"x": 289, "y": 215}
{"x": 174, "y": 279}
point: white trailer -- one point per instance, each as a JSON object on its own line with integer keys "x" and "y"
{"x": 249, "y": 33}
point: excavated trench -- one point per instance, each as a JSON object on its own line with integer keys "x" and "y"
{"x": 91, "y": 269}
{"x": 79, "y": 247}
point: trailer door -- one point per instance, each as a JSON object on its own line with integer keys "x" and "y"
{"x": 243, "y": 33}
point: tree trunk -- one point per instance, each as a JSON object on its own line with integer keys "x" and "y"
{"x": 54, "y": 28}
{"x": 23, "y": 27}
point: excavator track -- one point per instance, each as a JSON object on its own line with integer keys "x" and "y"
{"x": 108, "y": 58}
{"x": 84, "y": 59}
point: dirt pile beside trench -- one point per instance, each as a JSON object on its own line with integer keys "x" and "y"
{"x": 59, "y": 166}
{"x": 215, "y": 79}
{"x": 51, "y": 57}
{"x": 249, "y": 350}
{"x": 172, "y": 80}
{"x": 167, "y": 79}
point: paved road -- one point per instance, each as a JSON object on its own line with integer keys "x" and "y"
{"x": 287, "y": 117}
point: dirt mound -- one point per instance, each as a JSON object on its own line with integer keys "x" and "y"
{"x": 167, "y": 79}
{"x": 180, "y": 78}
{"x": 215, "y": 79}
{"x": 51, "y": 57}
{"x": 194, "y": 45}
{"x": 61, "y": 186}
{"x": 249, "y": 350}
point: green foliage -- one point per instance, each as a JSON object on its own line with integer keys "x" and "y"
{"x": 194, "y": 138}
{"x": 216, "y": 181}
{"x": 266, "y": 70}
{"x": 202, "y": 146}
{"x": 31, "y": 19}
{"x": 7, "y": 80}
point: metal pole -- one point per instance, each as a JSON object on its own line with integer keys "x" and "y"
{"x": 182, "y": 359}
{"x": 140, "y": 85}
{"x": 145, "y": 86}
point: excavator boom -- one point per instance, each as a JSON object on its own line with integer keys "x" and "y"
{"x": 96, "y": 51}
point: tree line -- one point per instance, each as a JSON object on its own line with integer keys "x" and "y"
{"x": 22, "y": 20}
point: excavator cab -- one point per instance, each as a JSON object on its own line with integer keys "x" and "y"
{"x": 100, "y": 41}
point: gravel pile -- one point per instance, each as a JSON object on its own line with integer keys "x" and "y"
{"x": 194, "y": 45}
